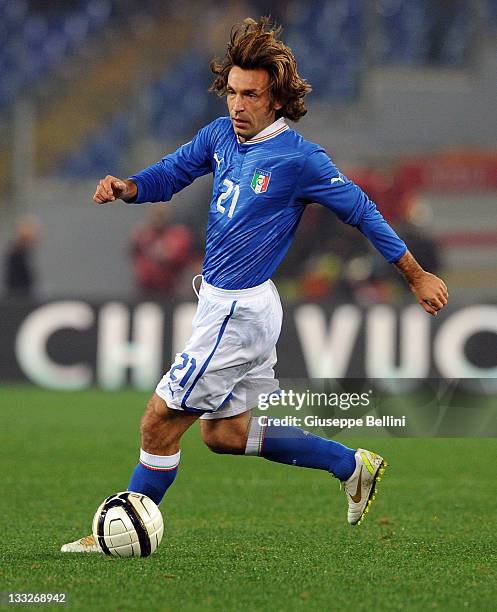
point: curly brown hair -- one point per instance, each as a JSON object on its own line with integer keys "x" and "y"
{"x": 255, "y": 44}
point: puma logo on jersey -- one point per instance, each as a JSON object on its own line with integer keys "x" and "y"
{"x": 218, "y": 160}
{"x": 337, "y": 179}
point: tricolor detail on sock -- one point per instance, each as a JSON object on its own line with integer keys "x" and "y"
{"x": 255, "y": 438}
{"x": 160, "y": 463}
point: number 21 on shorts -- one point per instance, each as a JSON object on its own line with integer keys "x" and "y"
{"x": 185, "y": 360}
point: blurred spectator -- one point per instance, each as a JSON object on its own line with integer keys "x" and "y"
{"x": 20, "y": 275}
{"x": 422, "y": 245}
{"x": 313, "y": 267}
{"x": 415, "y": 231}
{"x": 161, "y": 251}
{"x": 448, "y": 22}
{"x": 370, "y": 277}
{"x": 370, "y": 281}
{"x": 320, "y": 277}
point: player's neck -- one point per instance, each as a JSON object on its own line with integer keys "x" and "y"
{"x": 265, "y": 131}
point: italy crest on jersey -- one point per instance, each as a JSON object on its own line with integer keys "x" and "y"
{"x": 260, "y": 180}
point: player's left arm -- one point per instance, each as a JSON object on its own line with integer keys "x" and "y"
{"x": 321, "y": 182}
{"x": 430, "y": 291}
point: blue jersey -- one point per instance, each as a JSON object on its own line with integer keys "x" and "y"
{"x": 261, "y": 188}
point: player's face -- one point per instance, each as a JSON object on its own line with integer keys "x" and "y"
{"x": 249, "y": 101}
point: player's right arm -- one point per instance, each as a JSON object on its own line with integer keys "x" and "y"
{"x": 159, "y": 182}
{"x": 112, "y": 188}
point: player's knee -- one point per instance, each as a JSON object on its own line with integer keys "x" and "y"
{"x": 223, "y": 447}
{"x": 224, "y": 442}
{"x": 149, "y": 426}
{"x": 157, "y": 406}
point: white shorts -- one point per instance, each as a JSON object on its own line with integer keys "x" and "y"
{"x": 229, "y": 359}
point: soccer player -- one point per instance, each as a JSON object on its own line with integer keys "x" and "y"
{"x": 264, "y": 175}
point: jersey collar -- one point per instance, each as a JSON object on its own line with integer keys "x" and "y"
{"x": 276, "y": 128}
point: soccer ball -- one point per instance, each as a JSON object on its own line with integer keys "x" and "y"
{"x": 128, "y": 524}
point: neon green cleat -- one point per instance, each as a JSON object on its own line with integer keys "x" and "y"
{"x": 361, "y": 487}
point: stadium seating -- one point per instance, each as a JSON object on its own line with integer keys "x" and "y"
{"x": 329, "y": 42}
{"x": 334, "y": 42}
{"x": 104, "y": 150}
{"x": 423, "y": 32}
{"x": 188, "y": 75}
{"x": 35, "y": 42}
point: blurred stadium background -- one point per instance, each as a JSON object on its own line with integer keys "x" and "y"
{"x": 404, "y": 98}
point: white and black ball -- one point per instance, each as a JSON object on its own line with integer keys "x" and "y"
{"x": 128, "y": 524}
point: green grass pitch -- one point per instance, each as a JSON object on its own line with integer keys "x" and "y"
{"x": 241, "y": 533}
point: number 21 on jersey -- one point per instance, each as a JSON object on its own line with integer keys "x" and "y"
{"x": 232, "y": 191}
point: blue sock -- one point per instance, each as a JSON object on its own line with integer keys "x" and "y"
{"x": 154, "y": 475}
{"x": 295, "y": 446}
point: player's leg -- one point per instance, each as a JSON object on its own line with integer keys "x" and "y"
{"x": 161, "y": 430}
{"x": 247, "y": 435}
{"x": 257, "y": 332}
{"x": 226, "y": 435}
{"x": 359, "y": 470}
{"x": 168, "y": 415}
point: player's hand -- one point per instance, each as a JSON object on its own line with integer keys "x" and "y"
{"x": 430, "y": 291}
{"x": 112, "y": 188}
